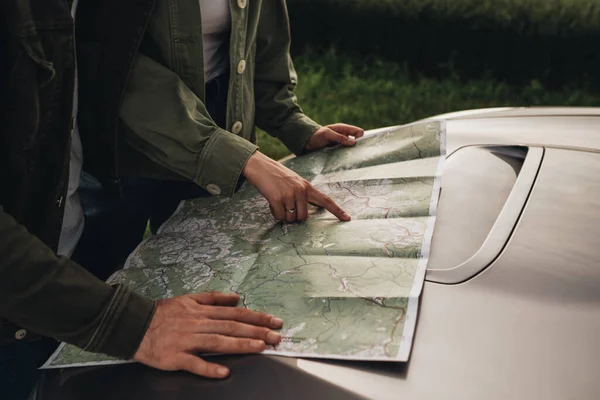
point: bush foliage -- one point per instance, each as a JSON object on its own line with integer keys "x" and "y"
{"x": 554, "y": 41}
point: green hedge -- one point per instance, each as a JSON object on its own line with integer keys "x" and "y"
{"x": 556, "y": 41}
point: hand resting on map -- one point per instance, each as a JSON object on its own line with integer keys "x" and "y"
{"x": 287, "y": 192}
{"x": 204, "y": 323}
{"x": 334, "y": 134}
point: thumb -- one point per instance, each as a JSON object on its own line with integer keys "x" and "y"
{"x": 335, "y": 137}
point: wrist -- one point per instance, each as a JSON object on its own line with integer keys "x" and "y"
{"x": 252, "y": 164}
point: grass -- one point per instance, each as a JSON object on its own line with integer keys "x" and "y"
{"x": 516, "y": 40}
{"x": 336, "y": 88}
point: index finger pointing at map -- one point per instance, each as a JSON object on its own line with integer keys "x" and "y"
{"x": 319, "y": 199}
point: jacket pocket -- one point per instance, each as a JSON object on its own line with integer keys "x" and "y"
{"x": 33, "y": 53}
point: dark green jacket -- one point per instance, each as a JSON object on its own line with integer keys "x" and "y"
{"x": 45, "y": 294}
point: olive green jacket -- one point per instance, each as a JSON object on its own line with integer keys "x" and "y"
{"x": 163, "y": 105}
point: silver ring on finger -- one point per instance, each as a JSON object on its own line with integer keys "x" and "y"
{"x": 291, "y": 210}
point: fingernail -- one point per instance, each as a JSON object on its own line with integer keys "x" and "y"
{"x": 276, "y": 322}
{"x": 346, "y": 217}
{"x": 222, "y": 371}
{"x": 273, "y": 337}
{"x": 257, "y": 344}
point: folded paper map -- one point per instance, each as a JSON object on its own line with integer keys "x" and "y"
{"x": 345, "y": 290}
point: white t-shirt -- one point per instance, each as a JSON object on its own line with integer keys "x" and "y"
{"x": 216, "y": 28}
{"x": 72, "y": 225}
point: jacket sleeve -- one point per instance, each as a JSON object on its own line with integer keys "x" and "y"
{"x": 55, "y": 297}
{"x": 171, "y": 126}
{"x": 277, "y": 109}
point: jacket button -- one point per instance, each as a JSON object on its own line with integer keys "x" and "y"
{"x": 242, "y": 3}
{"x": 241, "y": 67}
{"x": 236, "y": 127}
{"x": 213, "y": 189}
{"x": 20, "y": 334}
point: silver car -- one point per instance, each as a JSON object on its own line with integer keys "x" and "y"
{"x": 511, "y": 304}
